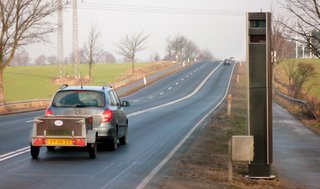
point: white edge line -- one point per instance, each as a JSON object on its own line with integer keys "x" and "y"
{"x": 178, "y": 100}
{"x": 17, "y": 151}
{"x": 14, "y": 155}
{"x": 118, "y": 175}
{"x": 147, "y": 179}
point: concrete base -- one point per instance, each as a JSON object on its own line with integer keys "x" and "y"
{"x": 271, "y": 177}
{"x": 257, "y": 170}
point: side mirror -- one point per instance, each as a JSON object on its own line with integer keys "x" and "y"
{"x": 125, "y": 103}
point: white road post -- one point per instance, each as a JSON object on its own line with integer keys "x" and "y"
{"x": 144, "y": 80}
{"x": 229, "y": 104}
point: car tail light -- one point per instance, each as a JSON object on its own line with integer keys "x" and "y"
{"x": 79, "y": 142}
{"x": 106, "y": 116}
{"x": 48, "y": 112}
{"x": 39, "y": 141}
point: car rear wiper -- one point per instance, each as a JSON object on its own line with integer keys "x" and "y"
{"x": 79, "y": 105}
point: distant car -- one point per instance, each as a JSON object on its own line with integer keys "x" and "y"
{"x": 102, "y": 103}
{"x": 227, "y": 62}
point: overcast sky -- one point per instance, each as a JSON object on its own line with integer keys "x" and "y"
{"x": 217, "y": 25}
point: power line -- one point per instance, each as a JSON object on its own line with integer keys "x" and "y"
{"x": 161, "y": 10}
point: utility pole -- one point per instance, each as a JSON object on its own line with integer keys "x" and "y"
{"x": 60, "y": 47}
{"x": 76, "y": 58}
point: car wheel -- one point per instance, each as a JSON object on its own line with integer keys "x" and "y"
{"x": 92, "y": 150}
{"x": 124, "y": 139}
{"x": 51, "y": 148}
{"x": 35, "y": 150}
{"x": 113, "y": 143}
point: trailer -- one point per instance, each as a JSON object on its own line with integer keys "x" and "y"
{"x": 63, "y": 131}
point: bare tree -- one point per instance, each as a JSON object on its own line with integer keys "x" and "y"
{"x": 130, "y": 45}
{"x": 21, "y": 58}
{"x": 52, "y": 59}
{"x": 92, "y": 49}
{"x": 106, "y": 57}
{"x": 278, "y": 41}
{"x": 41, "y": 60}
{"x": 304, "y": 25}
{"x": 180, "y": 48}
{"x": 298, "y": 74}
{"x": 206, "y": 55}
{"x": 303, "y": 74}
{"x": 190, "y": 50}
{"x": 290, "y": 69}
{"x": 22, "y": 22}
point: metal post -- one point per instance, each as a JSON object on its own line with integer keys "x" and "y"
{"x": 260, "y": 93}
{"x": 230, "y": 168}
{"x": 60, "y": 48}
{"x": 76, "y": 58}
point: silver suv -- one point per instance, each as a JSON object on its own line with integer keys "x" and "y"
{"x": 102, "y": 103}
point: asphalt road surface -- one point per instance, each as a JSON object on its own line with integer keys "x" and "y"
{"x": 160, "y": 117}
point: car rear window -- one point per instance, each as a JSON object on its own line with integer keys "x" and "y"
{"x": 79, "y": 98}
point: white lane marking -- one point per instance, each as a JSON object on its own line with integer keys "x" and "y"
{"x": 187, "y": 76}
{"x": 147, "y": 179}
{"x": 135, "y": 100}
{"x": 30, "y": 121}
{"x": 169, "y": 88}
{"x": 122, "y": 172}
{"x": 14, "y": 153}
{"x": 178, "y": 100}
{"x": 182, "y": 79}
{"x": 106, "y": 167}
{"x": 191, "y": 73}
{"x": 161, "y": 93}
{"x": 177, "y": 83}
{"x": 150, "y": 97}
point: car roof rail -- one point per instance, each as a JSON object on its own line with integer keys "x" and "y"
{"x": 64, "y": 86}
{"x": 106, "y": 86}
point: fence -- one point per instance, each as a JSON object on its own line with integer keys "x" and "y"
{"x": 299, "y": 102}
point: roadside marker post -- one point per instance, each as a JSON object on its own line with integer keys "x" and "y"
{"x": 229, "y": 104}
{"x": 144, "y": 80}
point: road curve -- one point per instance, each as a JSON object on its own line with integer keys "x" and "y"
{"x": 152, "y": 136}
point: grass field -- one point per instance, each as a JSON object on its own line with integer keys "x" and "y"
{"x": 35, "y": 82}
{"x": 314, "y": 83}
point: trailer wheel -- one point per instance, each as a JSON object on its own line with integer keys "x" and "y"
{"x": 92, "y": 150}
{"x": 35, "y": 150}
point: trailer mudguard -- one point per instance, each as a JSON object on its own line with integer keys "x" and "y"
{"x": 91, "y": 136}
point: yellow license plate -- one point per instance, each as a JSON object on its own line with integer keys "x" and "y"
{"x": 59, "y": 142}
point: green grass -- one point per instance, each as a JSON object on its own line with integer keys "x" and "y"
{"x": 315, "y": 81}
{"x": 35, "y": 82}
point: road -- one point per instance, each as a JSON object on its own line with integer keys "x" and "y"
{"x": 160, "y": 117}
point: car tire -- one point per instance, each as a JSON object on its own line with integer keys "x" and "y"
{"x": 92, "y": 150}
{"x": 35, "y": 150}
{"x": 51, "y": 148}
{"x": 124, "y": 140}
{"x": 113, "y": 143}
